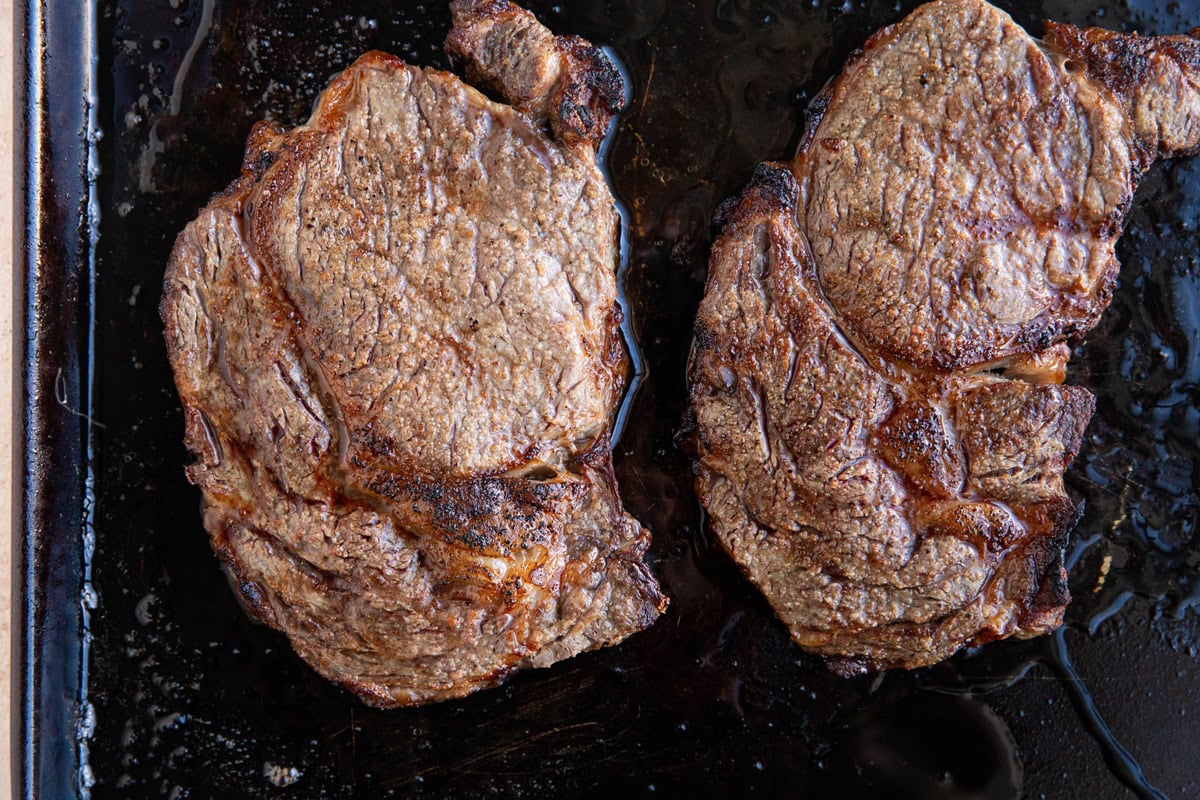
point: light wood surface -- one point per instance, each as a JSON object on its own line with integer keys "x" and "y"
{"x": 7, "y": 442}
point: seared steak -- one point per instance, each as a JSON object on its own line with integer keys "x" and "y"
{"x": 880, "y": 425}
{"x": 397, "y": 343}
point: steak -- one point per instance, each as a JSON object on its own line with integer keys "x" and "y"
{"x": 398, "y": 347}
{"x": 877, "y": 408}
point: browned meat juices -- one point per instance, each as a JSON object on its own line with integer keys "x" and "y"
{"x": 876, "y": 384}
{"x": 397, "y": 343}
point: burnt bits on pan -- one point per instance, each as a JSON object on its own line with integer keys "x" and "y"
{"x": 880, "y": 421}
{"x": 397, "y": 343}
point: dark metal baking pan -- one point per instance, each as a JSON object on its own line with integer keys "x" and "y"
{"x": 141, "y": 677}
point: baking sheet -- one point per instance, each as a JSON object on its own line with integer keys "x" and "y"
{"x": 142, "y": 677}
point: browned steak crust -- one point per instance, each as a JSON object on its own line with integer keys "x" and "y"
{"x": 879, "y": 421}
{"x": 966, "y": 184}
{"x": 397, "y": 343}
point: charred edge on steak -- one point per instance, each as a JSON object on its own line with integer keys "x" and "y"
{"x": 1126, "y": 64}
{"x": 772, "y": 187}
{"x": 592, "y": 94}
{"x": 564, "y": 81}
{"x": 1053, "y": 594}
{"x": 482, "y": 513}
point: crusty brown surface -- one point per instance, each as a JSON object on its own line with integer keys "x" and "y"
{"x": 879, "y": 421}
{"x": 985, "y": 223}
{"x": 1155, "y": 78}
{"x": 396, "y": 341}
{"x": 564, "y": 80}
